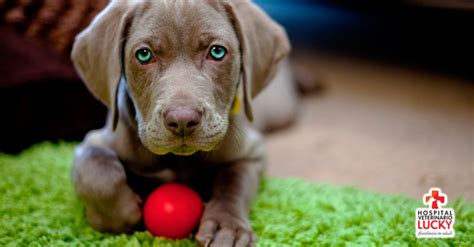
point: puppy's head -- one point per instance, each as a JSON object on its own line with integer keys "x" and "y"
{"x": 183, "y": 61}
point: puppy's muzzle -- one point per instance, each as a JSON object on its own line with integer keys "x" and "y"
{"x": 182, "y": 120}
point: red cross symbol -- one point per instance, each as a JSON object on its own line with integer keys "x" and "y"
{"x": 435, "y": 197}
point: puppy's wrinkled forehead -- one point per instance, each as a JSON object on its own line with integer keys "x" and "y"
{"x": 184, "y": 24}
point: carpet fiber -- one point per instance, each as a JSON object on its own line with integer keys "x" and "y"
{"x": 38, "y": 207}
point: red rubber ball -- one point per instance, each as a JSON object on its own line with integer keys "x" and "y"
{"x": 172, "y": 211}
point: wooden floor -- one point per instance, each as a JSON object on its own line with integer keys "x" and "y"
{"x": 382, "y": 128}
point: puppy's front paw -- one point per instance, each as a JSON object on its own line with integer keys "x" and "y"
{"x": 119, "y": 215}
{"x": 223, "y": 229}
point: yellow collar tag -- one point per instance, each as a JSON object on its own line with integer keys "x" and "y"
{"x": 236, "y": 106}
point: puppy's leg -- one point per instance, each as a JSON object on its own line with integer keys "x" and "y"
{"x": 225, "y": 219}
{"x": 100, "y": 182}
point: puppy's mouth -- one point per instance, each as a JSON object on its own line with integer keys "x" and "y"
{"x": 162, "y": 142}
{"x": 184, "y": 150}
{"x": 181, "y": 148}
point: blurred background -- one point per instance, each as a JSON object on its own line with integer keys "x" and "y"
{"x": 394, "y": 112}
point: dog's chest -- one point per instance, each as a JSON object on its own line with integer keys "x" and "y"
{"x": 167, "y": 168}
{"x": 187, "y": 170}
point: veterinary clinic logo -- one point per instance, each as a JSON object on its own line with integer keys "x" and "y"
{"x": 435, "y": 221}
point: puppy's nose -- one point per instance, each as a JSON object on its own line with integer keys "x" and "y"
{"x": 182, "y": 120}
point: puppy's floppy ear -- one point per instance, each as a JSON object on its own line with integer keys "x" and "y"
{"x": 97, "y": 52}
{"x": 264, "y": 44}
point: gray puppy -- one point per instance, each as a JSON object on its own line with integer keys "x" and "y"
{"x": 174, "y": 74}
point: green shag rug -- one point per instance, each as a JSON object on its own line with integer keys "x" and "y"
{"x": 38, "y": 208}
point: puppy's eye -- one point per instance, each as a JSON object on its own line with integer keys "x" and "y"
{"x": 144, "y": 55}
{"x": 217, "y": 52}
